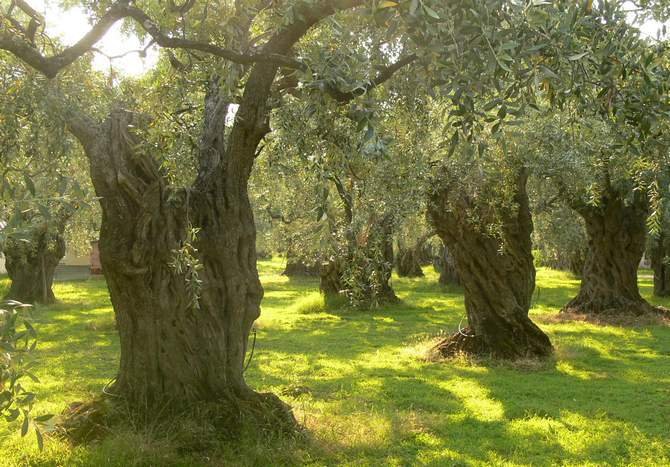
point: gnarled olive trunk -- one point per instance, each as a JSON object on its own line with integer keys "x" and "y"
{"x": 184, "y": 304}
{"x": 659, "y": 254}
{"x": 617, "y": 235}
{"x": 408, "y": 262}
{"x": 498, "y": 284}
{"x": 31, "y": 262}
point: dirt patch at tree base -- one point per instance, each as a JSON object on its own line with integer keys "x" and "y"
{"x": 464, "y": 344}
{"x": 626, "y": 318}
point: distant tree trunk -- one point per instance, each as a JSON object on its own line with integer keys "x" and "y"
{"x": 445, "y": 264}
{"x": 408, "y": 261}
{"x": 31, "y": 262}
{"x": 364, "y": 275}
{"x": 498, "y": 285}
{"x": 297, "y": 266}
{"x": 577, "y": 261}
{"x": 659, "y": 254}
{"x": 384, "y": 268}
{"x": 617, "y": 236}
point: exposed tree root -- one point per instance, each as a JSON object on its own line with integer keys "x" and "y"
{"x": 613, "y": 306}
{"x": 463, "y": 342}
{"x": 261, "y": 414}
{"x": 655, "y": 316}
{"x": 533, "y": 345}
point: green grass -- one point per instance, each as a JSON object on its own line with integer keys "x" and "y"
{"x": 373, "y": 399}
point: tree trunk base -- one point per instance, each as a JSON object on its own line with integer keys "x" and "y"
{"x": 612, "y": 306}
{"x": 466, "y": 343}
{"x": 262, "y": 414}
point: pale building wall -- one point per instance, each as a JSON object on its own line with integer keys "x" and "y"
{"x": 2, "y": 265}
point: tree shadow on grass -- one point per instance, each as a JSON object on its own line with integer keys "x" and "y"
{"x": 605, "y": 387}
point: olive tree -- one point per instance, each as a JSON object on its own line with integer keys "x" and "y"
{"x": 183, "y": 330}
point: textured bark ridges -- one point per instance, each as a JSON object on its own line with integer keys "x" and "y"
{"x": 31, "y": 265}
{"x": 498, "y": 284}
{"x": 175, "y": 353}
{"x": 659, "y": 255}
{"x": 616, "y": 232}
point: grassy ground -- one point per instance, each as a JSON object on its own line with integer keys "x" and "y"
{"x": 358, "y": 382}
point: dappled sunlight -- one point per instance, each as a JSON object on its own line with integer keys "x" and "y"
{"x": 475, "y": 399}
{"x": 361, "y": 384}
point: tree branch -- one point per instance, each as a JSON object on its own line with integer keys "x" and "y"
{"x": 51, "y": 66}
{"x": 384, "y": 75}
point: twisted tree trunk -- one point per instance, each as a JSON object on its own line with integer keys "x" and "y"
{"x": 184, "y": 304}
{"x": 364, "y": 268}
{"x": 31, "y": 262}
{"x": 498, "y": 285}
{"x": 384, "y": 269}
{"x": 617, "y": 235}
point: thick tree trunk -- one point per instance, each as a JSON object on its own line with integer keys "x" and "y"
{"x": 445, "y": 264}
{"x": 498, "y": 285}
{"x": 617, "y": 235}
{"x": 384, "y": 268}
{"x": 31, "y": 265}
{"x": 331, "y": 281}
{"x": 184, "y": 305}
{"x": 577, "y": 261}
{"x": 659, "y": 254}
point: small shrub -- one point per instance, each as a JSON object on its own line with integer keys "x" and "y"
{"x": 17, "y": 339}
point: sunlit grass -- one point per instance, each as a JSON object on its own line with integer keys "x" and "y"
{"x": 360, "y": 384}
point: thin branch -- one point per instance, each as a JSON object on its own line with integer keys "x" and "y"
{"x": 51, "y": 66}
{"x": 382, "y": 76}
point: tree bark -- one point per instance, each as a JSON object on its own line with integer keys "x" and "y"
{"x": 446, "y": 266}
{"x": 297, "y": 267}
{"x": 408, "y": 261}
{"x": 31, "y": 264}
{"x": 498, "y": 284}
{"x": 659, "y": 254}
{"x": 184, "y": 304}
{"x": 617, "y": 235}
